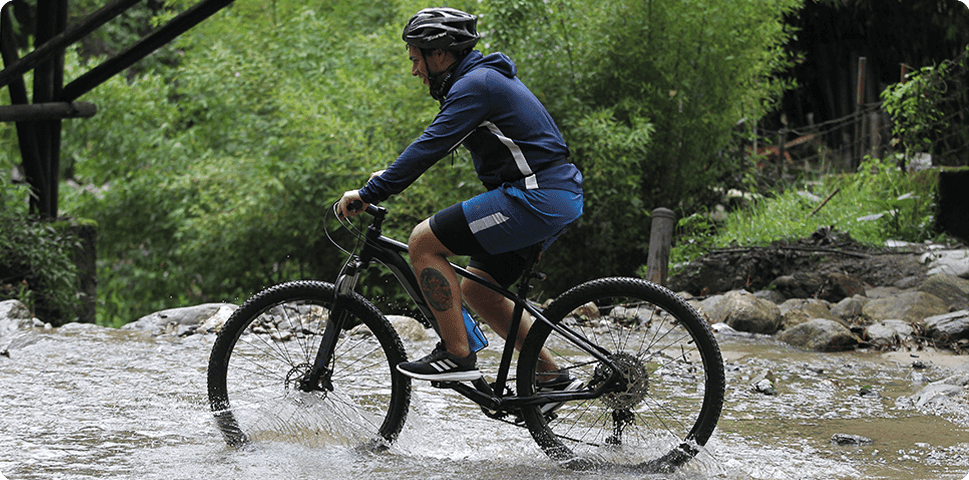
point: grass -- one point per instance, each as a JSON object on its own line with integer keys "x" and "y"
{"x": 878, "y": 203}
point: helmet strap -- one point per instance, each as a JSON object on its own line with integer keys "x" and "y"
{"x": 440, "y": 82}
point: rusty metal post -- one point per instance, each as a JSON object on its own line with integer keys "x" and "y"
{"x": 660, "y": 241}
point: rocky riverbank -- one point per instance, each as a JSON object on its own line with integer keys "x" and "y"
{"x": 836, "y": 296}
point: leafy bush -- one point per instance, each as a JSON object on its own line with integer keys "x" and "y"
{"x": 928, "y": 111}
{"x": 36, "y": 265}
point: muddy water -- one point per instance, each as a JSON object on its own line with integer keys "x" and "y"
{"x": 86, "y": 402}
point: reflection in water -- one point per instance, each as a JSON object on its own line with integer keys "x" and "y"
{"x": 83, "y": 402}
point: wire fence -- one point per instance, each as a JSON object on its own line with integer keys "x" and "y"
{"x": 840, "y": 145}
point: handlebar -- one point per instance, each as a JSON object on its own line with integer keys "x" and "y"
{"x": 373, "y": 210}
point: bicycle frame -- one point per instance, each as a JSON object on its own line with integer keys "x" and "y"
{"x": 389, "y": 252}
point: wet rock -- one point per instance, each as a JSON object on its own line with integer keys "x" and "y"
{"x": 13, "y": 309}
{"x": 409, "y": 328}
{"x": 832, "y": 286}
{"x": 177, "y": 321}
{"x": 838, "y": 286}
{"x": 952, "y": 290}
{"x": 847, "y": 440}
{"x": 889, "y": 333}
{"x": 215, "y": 322}
{"x": 951, "y": 262}
{"x": 949, "y": 327}
{"x": 820, "y": 334}
{"x": 772, "y": 296}
{"x": 949, "y": 393}
{"x": 850, "y": 308}
{"x": 799, "y": 284}
{"x": 707, "y": 308}
{"x": 746, "y": 313}
{"x": 868, "y": 392}
{"x": 765, "y": 384}
{"x": 15, "y": 316}
{"x": 912, "y": 307}
{"x": 883, "y": 292}
{"x": 796, "y": 311}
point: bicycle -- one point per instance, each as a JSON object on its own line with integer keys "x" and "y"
{"x": 310, "y": 359}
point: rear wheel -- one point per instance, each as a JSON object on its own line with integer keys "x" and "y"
{"x": 666, "y": 354}
{"x": 266, "y": 349}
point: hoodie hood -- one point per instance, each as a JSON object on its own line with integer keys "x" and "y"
{"x": 441, "y": 84}
{"x": 496, "y": 61}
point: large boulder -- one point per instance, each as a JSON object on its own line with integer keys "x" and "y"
{"x": 890, "y": 334}
{"x": 954, "y": 291}
{"x": 744, "y": 312}
{"x": 850, "y": 308}
{"x": 796, "y": 311}
{"x": 820, "y": 334}
{"x": 949, "y": 327}
{"x": 912, "y": 307}
{"x": 185, "y": 320}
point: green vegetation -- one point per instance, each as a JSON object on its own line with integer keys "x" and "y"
{"x": 209, "y": 167}
{"x": 36, "y": 264}
{"x": 879, "y": 202}
{"x": 928, "y": 110}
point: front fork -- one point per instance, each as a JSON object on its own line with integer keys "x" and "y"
{"x": 318, "y": 378}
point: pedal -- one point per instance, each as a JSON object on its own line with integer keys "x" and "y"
{"x": 443, "y": 384}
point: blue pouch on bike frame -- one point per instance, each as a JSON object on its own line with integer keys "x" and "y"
{"x": 476, "y": 338}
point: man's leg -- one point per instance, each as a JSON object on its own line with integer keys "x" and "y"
{"x": 497, "y": 312}
{"x": 440, "y": 286}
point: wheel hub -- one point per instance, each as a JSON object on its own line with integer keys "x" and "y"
{"x": 634, "y": 372}
{"x": 299, "y": 378}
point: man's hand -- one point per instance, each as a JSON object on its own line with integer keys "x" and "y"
{"x": 343, "y": 209}
{"x": 376, "y": 174}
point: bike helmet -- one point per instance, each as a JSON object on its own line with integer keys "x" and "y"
{"x": 442, "y": 28}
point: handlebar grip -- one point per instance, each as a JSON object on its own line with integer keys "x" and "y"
{"x": 354, "y": 205}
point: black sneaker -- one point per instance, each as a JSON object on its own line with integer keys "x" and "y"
{"x": 442, "y": 365}
{"x": 562, "y": 384}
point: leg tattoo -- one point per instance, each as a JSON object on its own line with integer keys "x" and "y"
{"x": 437, "y": 290}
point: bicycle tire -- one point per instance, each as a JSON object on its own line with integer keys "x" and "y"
{"x": 670, "y": 359}
{"x": 259, "y": 355}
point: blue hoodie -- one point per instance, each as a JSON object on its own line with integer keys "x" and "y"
{"x": 511, "y": 137}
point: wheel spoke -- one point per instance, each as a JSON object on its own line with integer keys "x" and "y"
{"x": 666, "y": 355}
{"x": 266, "y": 350}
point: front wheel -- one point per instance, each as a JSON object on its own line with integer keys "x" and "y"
{"x": 262, "y": 357}
{"x": 667, "y": 356}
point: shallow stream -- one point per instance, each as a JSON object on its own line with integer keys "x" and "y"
{"x": 87, "y": 402}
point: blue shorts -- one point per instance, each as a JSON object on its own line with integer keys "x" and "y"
{"x": 497, "y": 226}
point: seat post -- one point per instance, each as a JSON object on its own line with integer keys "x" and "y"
{"x": 525, "y": 284}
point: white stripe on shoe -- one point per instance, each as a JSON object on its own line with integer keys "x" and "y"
{"x": 461, "y": 376}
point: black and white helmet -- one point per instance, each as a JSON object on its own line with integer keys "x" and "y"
{"x": 442, "y": 28}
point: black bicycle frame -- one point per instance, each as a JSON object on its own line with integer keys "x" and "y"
{"x": 389, "y": 252}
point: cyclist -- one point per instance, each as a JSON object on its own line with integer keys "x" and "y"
{"x": 533, "y": 191}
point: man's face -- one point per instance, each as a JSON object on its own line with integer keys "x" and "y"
{"x": 437, "y": 61}
{"x": 418, "y": 67}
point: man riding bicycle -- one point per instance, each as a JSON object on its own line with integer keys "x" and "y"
{"x": 533, "y": 191}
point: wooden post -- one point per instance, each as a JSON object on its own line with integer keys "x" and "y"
{"x": 660, "y": 240}
{"x": 859, "y": 150}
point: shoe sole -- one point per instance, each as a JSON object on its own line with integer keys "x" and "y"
{"x": 462, "y": 376}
